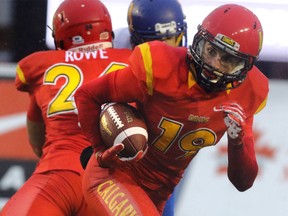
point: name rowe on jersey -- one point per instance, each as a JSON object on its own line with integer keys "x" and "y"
{"x": 71, "y": 56}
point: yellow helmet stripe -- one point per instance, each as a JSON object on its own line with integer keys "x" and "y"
{"x": 20, "y": 74}
{"x": 129, "y": 16}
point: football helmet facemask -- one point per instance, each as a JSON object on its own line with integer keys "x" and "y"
{"x": 156, "y": 20}
{"x": 234, "y": 30}
{"x": 82, "y": 25}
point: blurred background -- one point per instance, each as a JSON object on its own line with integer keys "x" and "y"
{"x": 205, "y": 189}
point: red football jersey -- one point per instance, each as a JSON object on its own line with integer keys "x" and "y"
{"x": 178, "y": 112}
{"x": 52, "y": 78}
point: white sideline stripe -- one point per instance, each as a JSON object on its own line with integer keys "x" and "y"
{"x": 2, "y": 202}
{"x": 12, "y": 122}
{"x": 128, "y": 132}
{"x": 8, "y": 70}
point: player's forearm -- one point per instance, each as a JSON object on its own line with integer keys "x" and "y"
{"x": 88, "y": 112}
{"x": 242, "y": 164}
{"x": 36, "y": 133}
{"x": 37, "y": 151}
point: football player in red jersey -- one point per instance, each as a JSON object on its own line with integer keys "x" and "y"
{"x": 83, "y": 36}
{"x": 189, "y": 100}
{"x": 151, "y": 20}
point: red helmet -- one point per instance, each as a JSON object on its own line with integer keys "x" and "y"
{"x": 237, "y": 23}
{"x": 85, "y": 24}
{"x": 235, "y": 30}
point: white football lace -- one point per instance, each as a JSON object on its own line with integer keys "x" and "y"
{"x": 115, "y": 117}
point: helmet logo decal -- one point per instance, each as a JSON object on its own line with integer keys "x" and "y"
{"x": 77, "y": 40}
{"x": 166, "y": 27}
{"x": 228, "y": 41}
{"x": 104, "y": 36}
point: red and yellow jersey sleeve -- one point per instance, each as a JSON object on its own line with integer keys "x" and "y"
{"x": 149, "y": 64}
{"x": 30, "y": 70}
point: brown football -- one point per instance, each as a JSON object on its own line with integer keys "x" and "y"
{"x": 122, "y": 123}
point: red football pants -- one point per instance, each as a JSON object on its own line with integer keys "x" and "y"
{"x": 113, "y": 192}
{"x": 53, "y": 193}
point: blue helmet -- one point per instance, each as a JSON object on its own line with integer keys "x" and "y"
{"x": 156, "y": 20}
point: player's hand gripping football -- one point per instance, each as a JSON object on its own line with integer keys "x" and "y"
{"x": 234, "y": 119}
{"x": 108, "y": 158}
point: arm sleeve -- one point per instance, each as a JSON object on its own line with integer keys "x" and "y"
{"x": 242, "y": 163}
{"x": 119, "y": 86}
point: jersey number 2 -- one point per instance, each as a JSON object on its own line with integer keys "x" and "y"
{"x": 63, "y": 101}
